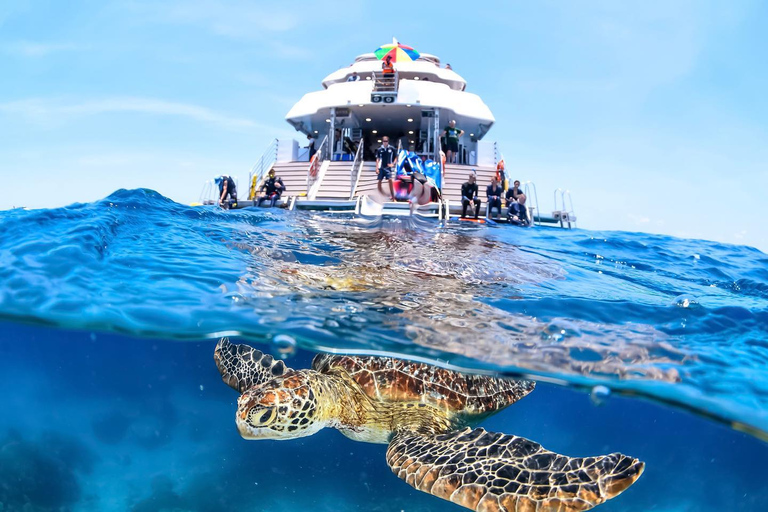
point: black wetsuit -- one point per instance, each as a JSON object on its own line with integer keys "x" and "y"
{"x": 273, "y": 193}
{"x": 512, "y": 195}
{"x": 231, "y": 192}
{"x": 469, "y": 193}
{"x": 490, "y": 193}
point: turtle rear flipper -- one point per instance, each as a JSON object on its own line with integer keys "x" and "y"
{"x": 487, "y": 471}
{"x": 243, "y": 367}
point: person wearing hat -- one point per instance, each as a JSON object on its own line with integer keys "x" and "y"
{"x": 274, "y": 189}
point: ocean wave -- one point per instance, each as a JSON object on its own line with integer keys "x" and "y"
{"x": 682, "y": 321}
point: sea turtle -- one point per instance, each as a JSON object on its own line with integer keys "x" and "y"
{"x": 425, "y": 414}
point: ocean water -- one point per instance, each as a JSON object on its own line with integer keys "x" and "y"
{"x": 109, "y": 312}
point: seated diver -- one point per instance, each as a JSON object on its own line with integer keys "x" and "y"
{"x": 469, "y": 196}
{"x": 517, "y": 213}
{"x": 274, "y": 189}
{"x": 227, "y": 188}
{"x": 493, "y": 193}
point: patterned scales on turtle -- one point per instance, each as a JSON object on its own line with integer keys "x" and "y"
{"x": 425, "y": 414}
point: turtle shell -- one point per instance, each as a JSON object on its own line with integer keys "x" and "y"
{"x": 390, "y": 379}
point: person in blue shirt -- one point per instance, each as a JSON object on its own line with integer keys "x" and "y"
{"x": 385, "y": 163}
{"x": 493, "y": 193}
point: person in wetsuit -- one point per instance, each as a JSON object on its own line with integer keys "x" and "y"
{"x": 469, "y": 196}
{"x": 513, "y": 193}
{"x": 273, "y": 188}
{"x": 517, "y": 213}
{"x": 227, "y": 189}
{"x": 385, "y": 163}
{"x": 493, "y": 193}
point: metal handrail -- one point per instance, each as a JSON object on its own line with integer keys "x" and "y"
{"x": 535, "y": 201}
{"x": 382, "y": 85}
{"x": 571, "y": 213}
{"x": 261, "y": 167}
{"x": 320, "y": 154}
{"x": 357, "y": 169}
{"x": 205, "y": 194}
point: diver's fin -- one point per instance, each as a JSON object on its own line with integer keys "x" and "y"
{"x": 486, "y": 471}
{"x": 243, "y": 367}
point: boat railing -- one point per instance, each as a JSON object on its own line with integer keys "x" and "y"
{"x": 384, "y": 82}
{"x": 313, "y": 170}
{"x": 564, "y": 212}
{"x": 261, "y": 167}
{"x": 357, "y": 170}
{"x": 534, "y": 213}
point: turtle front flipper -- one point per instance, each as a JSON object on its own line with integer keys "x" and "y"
{"x": 243, "y": 367}
{"x": 486, "y": 471}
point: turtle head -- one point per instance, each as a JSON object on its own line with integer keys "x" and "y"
{"x": 282, "y": 408}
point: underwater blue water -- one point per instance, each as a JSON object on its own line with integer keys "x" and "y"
{"x": 645, "y": 344}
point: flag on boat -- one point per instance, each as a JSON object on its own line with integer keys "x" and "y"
{"x": 398, "y": 52}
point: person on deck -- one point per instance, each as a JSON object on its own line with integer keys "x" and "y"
{"x": 452, "y": 135}
{"x": 354, "y": 77}
{"x": 385, "y": 163}
{"x": 493, "y": 193}
{"x": 311, "y": 145}
{"x": 469, "y": 196}
{"x": 227, "y": 189}
{"x": 386, "y": 65}
{"x": 513, "y": 193}
{"x": 273, "y": 188}
{"x": 517, "y": 212}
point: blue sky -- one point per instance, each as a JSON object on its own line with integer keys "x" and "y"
{"x": 653, "y": 114}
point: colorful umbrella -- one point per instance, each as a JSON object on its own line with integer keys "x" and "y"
{"x": 398, "y": 52}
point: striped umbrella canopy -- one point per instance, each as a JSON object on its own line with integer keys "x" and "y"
{"x": 398, "y": 52}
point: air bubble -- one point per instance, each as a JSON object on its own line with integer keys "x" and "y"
{"x": 685, "y": 301}
{"x": 599, "y": 395}
{"x": 286, "y": 345}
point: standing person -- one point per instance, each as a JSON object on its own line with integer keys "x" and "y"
{"x": 386, "y": 65}
{"x": 227, "y": 188}
{"x": 311, "y": 145}
{"x": 493, "y": 192}
{"x": 385, "y": 162}
{"x": 517, "y": 212}
{"x": 354, "y": 77}
{"x": 452, "y": 134}
{"x": 274, "y": 188}
{"x": 469, "y": 196}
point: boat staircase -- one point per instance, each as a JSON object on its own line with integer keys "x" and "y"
{"x": 335, "y": 183}
{"x": 455, "y": 176}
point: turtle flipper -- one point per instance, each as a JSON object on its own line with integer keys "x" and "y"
{"x": 486, "y": 471}
{"x": 243, "y": 367}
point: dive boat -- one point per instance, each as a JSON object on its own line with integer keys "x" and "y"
{"x": 412, "y": 104}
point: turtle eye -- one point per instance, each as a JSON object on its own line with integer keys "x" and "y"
{"x": 262, "y": 417}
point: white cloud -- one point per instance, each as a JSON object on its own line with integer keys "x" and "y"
{"x": 38, "y": 49}
{"x": 273, "y": 24}
{"x": 49, "y": 111}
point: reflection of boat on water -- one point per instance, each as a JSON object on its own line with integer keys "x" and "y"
{"x": 359, "y": 105}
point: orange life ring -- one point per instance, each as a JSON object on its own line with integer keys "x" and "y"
{"x": 313, "y": 168}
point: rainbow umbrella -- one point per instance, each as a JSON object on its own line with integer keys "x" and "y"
{"x": 398, "y": 52}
